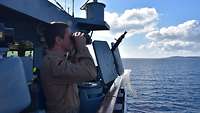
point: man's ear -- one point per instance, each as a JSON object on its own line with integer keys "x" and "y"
{"x": 58, "y": 40}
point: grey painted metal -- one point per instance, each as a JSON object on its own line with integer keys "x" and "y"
{"x": 105, "y": 61}
{"x": 3, "y": 51}
{"x": 28, "y": 66}
{"x": 39, "y": 9}
{"x": 125, "y": 100}
{"x": 14, "y": 92}
{"x": 118, "y": 61}
{"x": 90, "y": 24}
{"x": 107, "y": 106}
{"x": 91, "y": 95}
{"x": 95, "y": 11}
{"x": 38, "y": 56}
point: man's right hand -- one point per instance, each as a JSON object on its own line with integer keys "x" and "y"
{"x": 80, "y": 40}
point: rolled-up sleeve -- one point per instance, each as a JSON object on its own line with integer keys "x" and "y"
{"x": 81, "y": 70}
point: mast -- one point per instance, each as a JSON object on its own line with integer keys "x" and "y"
{"x": 65, "y": 5}
{"x": 72, "y": 8}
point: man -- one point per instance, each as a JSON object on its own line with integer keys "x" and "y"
{"x": 60, "y": 73}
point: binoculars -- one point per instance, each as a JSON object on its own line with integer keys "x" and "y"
{"x": 86, "y": 35}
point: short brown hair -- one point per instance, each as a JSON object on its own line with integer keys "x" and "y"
{"x": 53, "y": 30}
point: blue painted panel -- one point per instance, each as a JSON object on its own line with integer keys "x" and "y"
{"x": 118, "y": 61}
{"x": 91, "y": 96}
{"x": 90, "y": 24}
{"x": 28, "y": 66}
{"x": 14, "y": 92}
{"x": 39, "y": 9}
{"x": 105, "y": 61}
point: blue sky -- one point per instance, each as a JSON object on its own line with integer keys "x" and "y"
{"x": 164, "y": 27}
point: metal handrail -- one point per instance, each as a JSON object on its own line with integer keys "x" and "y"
{"x": 108, "y": 104}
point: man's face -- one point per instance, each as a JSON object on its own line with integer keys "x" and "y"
{"x": 66, "y": 42}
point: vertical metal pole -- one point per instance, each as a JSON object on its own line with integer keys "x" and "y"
{"x": 72, "y": 8}
{"x": 65, "y": 4}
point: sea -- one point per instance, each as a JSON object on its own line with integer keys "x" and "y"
{"x": 165, "y": 85}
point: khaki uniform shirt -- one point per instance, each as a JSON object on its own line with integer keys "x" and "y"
{"x": 60, "y": 76}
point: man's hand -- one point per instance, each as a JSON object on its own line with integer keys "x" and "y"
{"x": 80, "y": 40}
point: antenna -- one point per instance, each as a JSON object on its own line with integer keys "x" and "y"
{"x": 59, "y": 5}
{"x": 72, "y": 8}
{"x": 65, "y": 4}
{"x": 83, "y": 6}
{"x": 68, "y": 9}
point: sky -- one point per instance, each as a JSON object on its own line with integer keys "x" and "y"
{"x": 156, "y": 28}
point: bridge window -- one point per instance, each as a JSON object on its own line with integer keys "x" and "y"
{"x": 16, "y": 53}
{"x": 29, "y": 53}
{"x": 12, "y": 53}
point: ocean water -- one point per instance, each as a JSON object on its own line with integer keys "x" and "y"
{"x": 170, "y": 85}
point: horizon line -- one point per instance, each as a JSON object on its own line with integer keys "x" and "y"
{"x": 159, "y": 57}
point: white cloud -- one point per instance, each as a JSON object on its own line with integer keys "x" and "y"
{"x": 135, "y": 21}
{"x": 188, "y": 31}
{"x": 182, "y": 38}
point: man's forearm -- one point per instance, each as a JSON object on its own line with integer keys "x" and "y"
{"x": 84, "y": 57}
{"x": 82, "y": 53}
